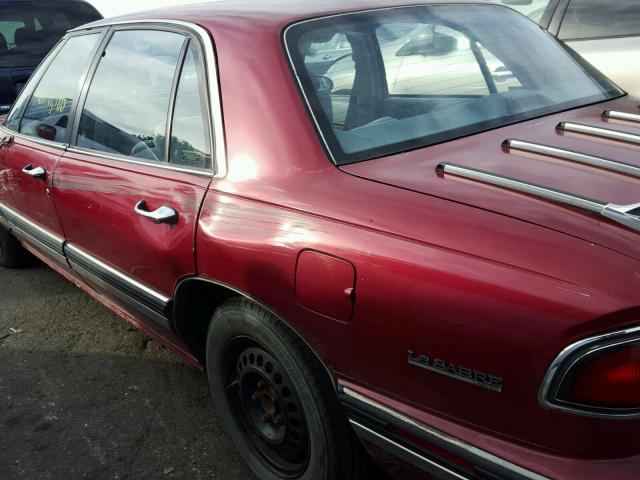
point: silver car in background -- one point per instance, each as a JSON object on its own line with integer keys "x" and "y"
{"x": 606, "y": 33}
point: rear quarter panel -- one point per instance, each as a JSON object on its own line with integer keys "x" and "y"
{"x": 448, "y": 300}
{"x": 478, "y": 289}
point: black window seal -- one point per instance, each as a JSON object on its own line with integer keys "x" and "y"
{"x": 172, "y": 98}
{"x": 97, "y": 53}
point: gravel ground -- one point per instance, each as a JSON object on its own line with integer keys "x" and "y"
{"x": 83, "y": 396}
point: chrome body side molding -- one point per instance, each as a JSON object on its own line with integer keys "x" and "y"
{"x": 409, "y": 455}
{"x": 144, "y": 299}
{"x": 610, "y": 165}
{"x": 371, "y": 419}
{"x": 627, "y": 117}
{"x": 32, "y": 233}
{"x": 599, "y": 132}
{"x": 628, "y": 215}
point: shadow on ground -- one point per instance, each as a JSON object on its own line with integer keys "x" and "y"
{"x": 82, "y": 396}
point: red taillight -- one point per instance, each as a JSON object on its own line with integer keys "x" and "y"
{"x": 607, "y": 379}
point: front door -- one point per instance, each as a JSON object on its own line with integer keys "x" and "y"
{"x": 128, "y": 198}
{"x": 32, "y": 142}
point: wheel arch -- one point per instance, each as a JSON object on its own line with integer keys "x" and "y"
{"x": 196, "y": 300}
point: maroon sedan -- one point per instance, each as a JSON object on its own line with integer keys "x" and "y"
{"x": 440, "y": 255}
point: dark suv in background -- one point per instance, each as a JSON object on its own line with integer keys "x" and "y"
{"x": 28, "y": 30}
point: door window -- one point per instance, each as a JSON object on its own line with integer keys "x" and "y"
{"x": 47, "y": 112}
{"x": 190, "y": 144}
{"x": 126, "y": 107}
{"x": 600, "y": 18}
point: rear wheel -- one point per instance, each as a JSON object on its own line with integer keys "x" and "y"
{"x": 277, "y": 400}
{"x": 12, "y": 254}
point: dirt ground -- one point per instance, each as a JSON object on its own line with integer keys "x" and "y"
{"x": 82, "y": 396}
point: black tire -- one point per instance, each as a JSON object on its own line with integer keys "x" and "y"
{"x": 277, "y": 400}
{"x": 12, "y": 254}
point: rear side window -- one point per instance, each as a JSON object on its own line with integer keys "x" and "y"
{"x": 600, "y": 18}
{"x": 29, "y": 29}
{"x": 190, "y": 144}
{"x": 47, "y": 112}
{"x": 126, "y": 107}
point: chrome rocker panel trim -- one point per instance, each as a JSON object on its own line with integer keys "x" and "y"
{"x": 494, "y": 466}
{"x": 408, "y": 455}
{"x": 144, "y": 299}
{"x": 628, "y": 215}
{"x": 32, "y": 233}
{"x": 584, "y": 159}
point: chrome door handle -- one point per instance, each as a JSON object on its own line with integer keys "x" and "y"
{"x": 37, "y": 172}
{"x": 164, "y": 214}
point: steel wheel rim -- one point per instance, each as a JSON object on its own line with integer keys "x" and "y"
{"x": 267, "y": 408}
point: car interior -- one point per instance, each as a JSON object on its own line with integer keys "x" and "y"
{"x": 438, "y": 81}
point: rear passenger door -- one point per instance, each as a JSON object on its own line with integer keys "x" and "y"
{"x": 129, "y": 188}
{"x": 35, "y": 136}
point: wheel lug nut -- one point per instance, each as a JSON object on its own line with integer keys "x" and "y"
{"x": 254, "y": 397}
{"x": 261, "y": 385}
{"x": 278, "y": 420}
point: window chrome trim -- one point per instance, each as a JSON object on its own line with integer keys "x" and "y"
{"x": 599, "y": 132}
{"x": 443, "y": 437}
{"x": 157, "y": 297}
{"x": 414, "y": 458}
{"x": 39, "y": 141}
{"x": 125, "y": 159}
{"x": 560, "y": 366}
{"x": 584, "y": 159}
{"x": 39, "y": 235}
{"x": 216, "y": 125}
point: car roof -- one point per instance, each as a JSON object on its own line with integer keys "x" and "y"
{"x": 261, "y": 13}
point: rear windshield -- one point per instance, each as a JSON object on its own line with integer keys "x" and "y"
{"x": 28, "y": 30}
{"x": 387, "y": 81}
